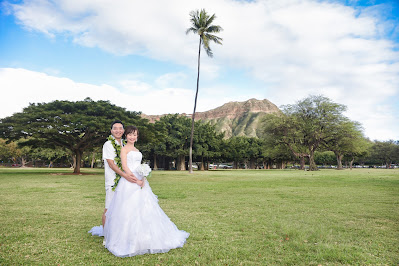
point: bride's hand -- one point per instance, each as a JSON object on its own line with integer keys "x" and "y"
{"x": 130, "y": 177}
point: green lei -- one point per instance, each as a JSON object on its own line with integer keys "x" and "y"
{"x": 117, "y": 158}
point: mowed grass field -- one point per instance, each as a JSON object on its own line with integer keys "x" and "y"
{"x": 248, "y": 217}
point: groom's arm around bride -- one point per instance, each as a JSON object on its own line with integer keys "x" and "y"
{"x": 110, "y": 152}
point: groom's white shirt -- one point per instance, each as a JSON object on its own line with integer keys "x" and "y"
{"x": 109, "y": 153}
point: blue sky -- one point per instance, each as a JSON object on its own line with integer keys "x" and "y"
{"x": 136, "y": 54}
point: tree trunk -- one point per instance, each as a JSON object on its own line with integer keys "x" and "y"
{"x": 339, "y": 161}
{"x": 202, "y": 166}
{"x": 351, "y": 162}
{"x": 77, "y": 162}
{"x": 93, "y": 159}
{"x": 235, "y": 165}
{"x": 280, "y": 165}
{"x": 190, "y": 160}
{"x": 23, "y": 161}
{"x": 181, "y": 163}
{"x": 73, "y": 161}
{"x": 302, "y": 162}
{"x": 252, "y": 164}
{"x": 155, "y": 162}
{"x": 312, "y": 164}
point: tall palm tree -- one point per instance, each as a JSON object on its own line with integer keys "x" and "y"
{"x": 201, "y": 25}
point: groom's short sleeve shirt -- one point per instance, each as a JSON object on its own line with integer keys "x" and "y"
{"x": 108, "y": 153}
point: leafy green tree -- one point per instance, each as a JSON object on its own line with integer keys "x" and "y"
{"x": 9, "y": 151}
{"x": 325, "y": 158}
{"x": 155, "y": 146}
{"x": 172, "y": 142}
{"x": 345, "y": 138}
{"x": 207, "y": 144}
{"x": 306, "y": 125}
{"x": 280, "y": 130}
{"x": 201, "y": 24}
{"x": 275, "y": 151}
{"x": 315, "y": 118}
{"x": 253, "y": 152}
{"x": 175, "y": 144}
{"x": 49, "y": 155}
{"x": 75, "y": 126}
{"x": 4, "y": 153}
{"x": 15, "y": 152}
{"x": 237, "y": 148}
{"x": 385, "y": 152}
{"x": 24, "y": 152}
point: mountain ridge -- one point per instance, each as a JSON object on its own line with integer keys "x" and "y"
{"x": 233, "y": 118}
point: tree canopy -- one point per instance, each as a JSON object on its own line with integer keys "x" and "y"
{"x": 74, "y": 126}
{"x": 71, "y": 133}
{"x": 308, "y": 125}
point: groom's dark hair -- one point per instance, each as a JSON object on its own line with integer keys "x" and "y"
{"x": 117, "y": 122}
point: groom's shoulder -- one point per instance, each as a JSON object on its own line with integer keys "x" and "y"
{"x": 107, "y": 144}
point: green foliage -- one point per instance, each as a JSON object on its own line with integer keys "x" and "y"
{"x": 248, "y": 125}
{"x": 201, "y": 24}
{"x": 305, "y": 126}
{"x": 9, "y": 151}
{"x": 346, "y": 138}
{"x": 75, "y": 126}
{"x": 117, "y": 159}
{"x": 385, "y": 152}
{"x": 48, "y": 154}
{"x": 174, "y": 137}
{"x": 207, "y": 142}
{"x": 60, "y": 131}
{"x": 325, "y": 158}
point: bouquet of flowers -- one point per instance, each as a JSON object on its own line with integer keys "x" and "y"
{"x": 144, "y": 170}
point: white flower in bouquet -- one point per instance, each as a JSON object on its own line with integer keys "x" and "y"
{"x": 144, "y": 170}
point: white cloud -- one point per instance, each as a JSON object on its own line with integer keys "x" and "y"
{"x": 135, "y": 86}
{"x": 171, "y": 78}
{"x": 23, "y": 87}
{"x": 295, "y": 47}
{"x": 35, "y": 87}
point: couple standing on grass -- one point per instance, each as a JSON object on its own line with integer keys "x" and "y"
{"x": 133, "y": 222}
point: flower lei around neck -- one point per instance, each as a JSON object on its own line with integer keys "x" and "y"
{"x": 117, "y": 158}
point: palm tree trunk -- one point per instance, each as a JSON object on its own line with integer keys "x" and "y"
{"x": 190, "y": 161}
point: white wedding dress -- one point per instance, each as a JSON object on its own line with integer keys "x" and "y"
{"x": 135, "y": 223}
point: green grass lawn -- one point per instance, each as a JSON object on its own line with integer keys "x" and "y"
{"x": 234, "y": 217}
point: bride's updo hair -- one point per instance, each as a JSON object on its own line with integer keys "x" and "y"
{"x": 131, "y": 129}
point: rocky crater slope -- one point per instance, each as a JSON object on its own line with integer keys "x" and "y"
{"x": 234, "y": 118}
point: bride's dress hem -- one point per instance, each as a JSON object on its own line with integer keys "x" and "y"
{"x": 142, "y": 252}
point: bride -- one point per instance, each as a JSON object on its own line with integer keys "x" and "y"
{"x": 135, "y": 223}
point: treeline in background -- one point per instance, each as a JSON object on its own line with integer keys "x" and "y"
{"x": 311, "y": 134}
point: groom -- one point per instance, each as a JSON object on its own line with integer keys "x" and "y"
{"x": 110, "y": 167}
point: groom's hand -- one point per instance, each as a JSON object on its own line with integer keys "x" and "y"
{"x": 130, "y": 177}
